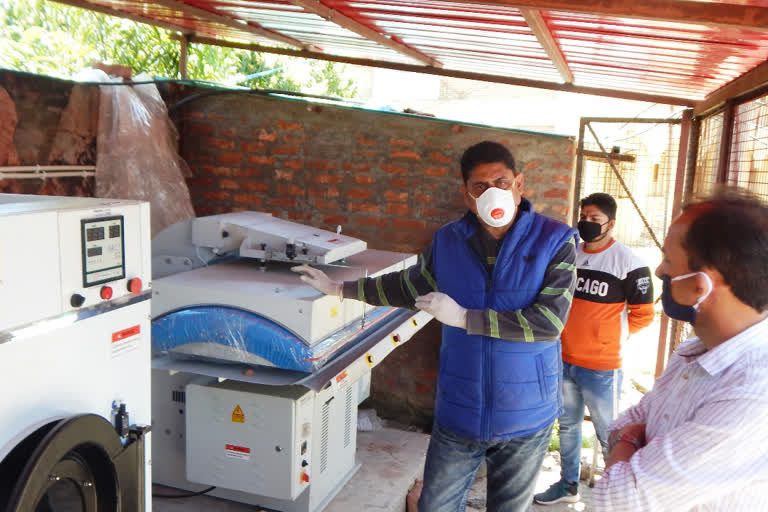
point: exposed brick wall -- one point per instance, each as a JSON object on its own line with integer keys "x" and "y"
{"x": 388, "y": 179}
{"x": 39, "y": 103}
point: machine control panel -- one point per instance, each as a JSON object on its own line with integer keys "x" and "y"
{"x": 103, "y": 249}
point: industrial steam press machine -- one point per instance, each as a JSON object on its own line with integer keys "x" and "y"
{"x": 256, "y": 377}
{"x": 74, "y": 354}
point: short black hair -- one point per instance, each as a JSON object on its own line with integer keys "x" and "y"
{"x": 604, "y": 202}
{"x": 486, "y": 152}
{"x": 728, "y": 231}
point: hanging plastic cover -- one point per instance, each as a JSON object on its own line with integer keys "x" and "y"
{"x": 136, "y": 151}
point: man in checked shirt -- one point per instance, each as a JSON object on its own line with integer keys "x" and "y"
{"x": 696, "y": 441}
{"x": 500, "y": 279}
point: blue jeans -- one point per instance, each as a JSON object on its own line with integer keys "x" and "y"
{"x": 453, "y": 460}
{"x": 599, "y": 391}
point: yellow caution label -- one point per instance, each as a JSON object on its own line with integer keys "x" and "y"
{"x": 237, "y": 415}
{"x": 334, "y": 311}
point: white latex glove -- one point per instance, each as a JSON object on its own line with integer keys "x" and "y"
{"x": 444, "y": 308}
{"x": 318, "y": 280}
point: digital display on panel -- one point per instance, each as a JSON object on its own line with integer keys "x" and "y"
{"x": 93, "y": 234}
{"x": 103, "y": 250}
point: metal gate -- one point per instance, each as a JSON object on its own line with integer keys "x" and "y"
{"x": 641, "y": 164}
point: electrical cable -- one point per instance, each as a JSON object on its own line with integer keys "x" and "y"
{"x": 259, "y": 92}
{"x": 185, "y": 495}
{"x": 673, "y": 115}
{"x": 219, "y": 89}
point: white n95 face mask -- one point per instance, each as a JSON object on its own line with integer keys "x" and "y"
{"x": 496, "y": 207}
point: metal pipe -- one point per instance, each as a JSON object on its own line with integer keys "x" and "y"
{"x": 183, "y": 56}
{"x": 683, "y": 155}
{"x": 725, "y": 143}
{"x": 45, "y": 175}
{"x": 579, "y": 173}
{"x": 27, "y": 168}
{"x": 42, "y": 172}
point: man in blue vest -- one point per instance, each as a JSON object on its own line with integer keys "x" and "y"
{"x": 500, "y": 279}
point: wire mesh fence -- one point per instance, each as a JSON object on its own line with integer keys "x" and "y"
{"x": 645, "y": 154}
{"x": 748, "y": 166}
{"x": 708, "y": 154}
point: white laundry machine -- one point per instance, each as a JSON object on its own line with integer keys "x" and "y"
{"x": 74, "y": 354}
{"x": 256, "y": 376}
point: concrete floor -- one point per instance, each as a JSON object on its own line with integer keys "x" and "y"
{"x": 391, "y": 459}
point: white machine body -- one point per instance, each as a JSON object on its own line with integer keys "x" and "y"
{"x": 260, "y": 235}
{"x": 282, "y": 446}
{"x": 221, "y": 447}
{"x": 259, "y": 279}
{"x": 286, "y": 448}
{"x": 64, "y": 349}
{"x": 277, "y": 293}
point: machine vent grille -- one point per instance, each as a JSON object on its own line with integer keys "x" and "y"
{"x": 324, "y": 437}
{"x": 179, "y": 396}
{"x": 348, "y": 419}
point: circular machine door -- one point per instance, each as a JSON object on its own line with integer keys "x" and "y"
{"x": 71, "y": 469}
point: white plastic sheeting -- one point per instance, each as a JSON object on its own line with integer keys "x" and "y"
{"x": 136, "y": 151}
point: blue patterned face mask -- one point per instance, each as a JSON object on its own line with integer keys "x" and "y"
{"x": 680, "y": 311}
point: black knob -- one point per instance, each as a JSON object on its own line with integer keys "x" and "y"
{"x": 304, "y": 463}
{"x": 76, "y": 300}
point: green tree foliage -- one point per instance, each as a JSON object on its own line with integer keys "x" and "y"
{"x": 44, "y": 37}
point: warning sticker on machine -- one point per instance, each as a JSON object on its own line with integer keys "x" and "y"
{"x": 126, "y": 340}
{"x": 238, "y": 452}
{"x": 237, "y": 415}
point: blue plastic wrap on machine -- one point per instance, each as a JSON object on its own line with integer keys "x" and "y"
{"x": 233, "y": 335}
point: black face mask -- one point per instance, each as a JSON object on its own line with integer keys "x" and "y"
{"x": 590, "y": 231}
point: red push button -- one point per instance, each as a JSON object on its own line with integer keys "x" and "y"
{"x": 304, "y": 477}
{"x": 135, "y": 285}
{"x": 106, "y": 292}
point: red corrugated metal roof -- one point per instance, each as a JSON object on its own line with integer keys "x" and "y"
{"x": 500, "y": 38}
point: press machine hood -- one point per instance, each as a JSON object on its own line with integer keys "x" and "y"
{"x": 223, "y": 290}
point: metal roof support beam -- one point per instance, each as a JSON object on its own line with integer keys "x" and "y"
{"x": 539, "y": 84}
{"x": 683, "y": 154}
{"x": 536, "y": 23}
{"x": 750, "y": 81}
{"x": 334, "y": 16}
{"x": 692, "y": 11}
{"x": 82, "y": 4}
{"x": 221, "y": 19}
{"x": 183, "y": 54}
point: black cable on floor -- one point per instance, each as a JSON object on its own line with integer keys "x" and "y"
{"x": 186, "y": 495}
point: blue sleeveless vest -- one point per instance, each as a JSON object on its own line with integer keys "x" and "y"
{"x": 489, "y": 388}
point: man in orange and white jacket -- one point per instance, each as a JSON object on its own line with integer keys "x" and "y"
{"x": 613, "y": 299}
